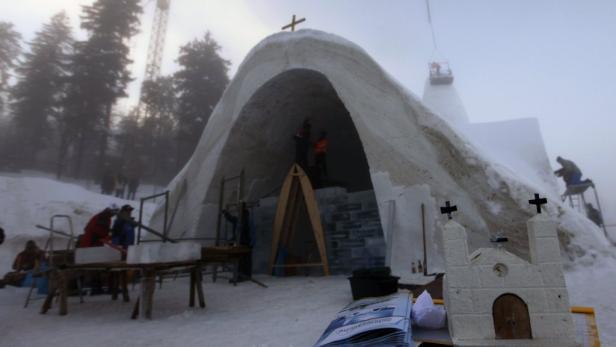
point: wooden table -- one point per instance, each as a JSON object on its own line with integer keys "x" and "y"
{"x": 60, "y": 277}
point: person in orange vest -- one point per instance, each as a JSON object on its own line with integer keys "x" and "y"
{"x": 320, "y": 154}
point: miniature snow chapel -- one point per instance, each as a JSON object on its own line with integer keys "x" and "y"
{"x": 495, "y": 298}
{"x": 391, "y": 161}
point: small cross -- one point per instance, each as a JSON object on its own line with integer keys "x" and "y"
{"x": 448, "y": 209}
{"x": 538, "y": 201}
{"x": 293, "y": 23}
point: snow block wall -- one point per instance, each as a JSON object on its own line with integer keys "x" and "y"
{"x": 159, "y": 252}
{"x": 353, "y": 233}
{"x": 96, "y": 255}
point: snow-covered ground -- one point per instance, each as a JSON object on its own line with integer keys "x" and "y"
{"x": 291, "y": 312}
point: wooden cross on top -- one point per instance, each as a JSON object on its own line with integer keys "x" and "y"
{"x": 293, "y": 23}
{"x": 538, "y": 201}
{"x": 448, "y": 209}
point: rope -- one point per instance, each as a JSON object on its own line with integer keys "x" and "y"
{"x": 431, "y": 26}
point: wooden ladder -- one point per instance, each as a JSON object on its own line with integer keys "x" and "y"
{"x": 296, "y": 185}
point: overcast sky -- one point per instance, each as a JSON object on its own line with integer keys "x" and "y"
{"x": 550, "y": 59}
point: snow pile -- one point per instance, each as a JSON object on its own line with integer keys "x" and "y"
{"x": 28, "y": 201}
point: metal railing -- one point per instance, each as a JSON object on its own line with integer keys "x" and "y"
{"x": 140, "y": 225}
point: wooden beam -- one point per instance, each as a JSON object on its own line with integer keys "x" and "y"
{"x": 315, "y": 220}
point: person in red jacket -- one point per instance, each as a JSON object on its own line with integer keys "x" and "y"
{"x": 98, "y": 228}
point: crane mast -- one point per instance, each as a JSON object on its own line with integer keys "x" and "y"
{"x": 156, "y": 47}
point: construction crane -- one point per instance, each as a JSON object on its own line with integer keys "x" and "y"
{"x": 155, "y": 47}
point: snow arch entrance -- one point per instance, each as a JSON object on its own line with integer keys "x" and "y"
{"x": 261, "y": 144}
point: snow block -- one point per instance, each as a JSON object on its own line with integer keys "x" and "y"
{"x": 147, "y": 253}
{"x": 96, "y": 255}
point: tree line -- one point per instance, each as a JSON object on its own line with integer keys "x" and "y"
{"x": 58, "y": 98}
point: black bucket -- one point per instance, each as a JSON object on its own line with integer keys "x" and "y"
{"x": 371, "y": 282}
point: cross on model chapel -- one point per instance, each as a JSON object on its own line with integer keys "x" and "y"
{"x": 538, "y": 201}
{"x": 293, "y": 23}
{"x": 448, "y": 209}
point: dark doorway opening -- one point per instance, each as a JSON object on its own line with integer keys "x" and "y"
{"x": 261, "y": 143}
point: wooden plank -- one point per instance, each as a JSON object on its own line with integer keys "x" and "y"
{"x": 124, "y": 285}
{"x": 51, "y": 293}
{"x": 191, "y": 295}
{"x": 114, "y": 282}
{"x": 63, "y": 292}
{"x": 291, "y": 215}
{"x": 148, "y": 285}
{"x": 199, "y": 285}
{"x": 135, "y": 313}
{"x": 279, "y": 219}
{"x": 315, "y": 220}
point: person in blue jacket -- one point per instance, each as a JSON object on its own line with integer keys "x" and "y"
{"x": 123, "y": 230}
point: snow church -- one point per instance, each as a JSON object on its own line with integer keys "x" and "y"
{"x": 393, "y": 160}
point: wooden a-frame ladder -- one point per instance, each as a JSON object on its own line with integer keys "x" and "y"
{"x": 296, "y": 185}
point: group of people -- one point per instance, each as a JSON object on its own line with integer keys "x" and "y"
{"x": 119, "y": 185}
{"x": 99, "y": 230}
{"x": 303, "y": 144}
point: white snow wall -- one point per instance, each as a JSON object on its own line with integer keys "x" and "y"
{"x": 404, "y": 143}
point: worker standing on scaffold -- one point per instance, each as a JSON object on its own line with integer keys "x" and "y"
{"x": 570, "y": 172}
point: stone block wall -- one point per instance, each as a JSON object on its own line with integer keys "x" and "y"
{"x": 351, "y": 223}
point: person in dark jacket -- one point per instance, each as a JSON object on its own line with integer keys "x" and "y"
{"x": 123, "y": 231}
{"x": 320, "y": 154}
{"x": 107, "y": 183}
{"x": 120, "y": 185}
{"x": 594, "y": 214}
{"x": 570, "y": 173}
{"x": 1, "y": 236}
{"x": 133, "y": 185}
{"x": 97, "y": 230}
{"x": 302, "y": 144}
